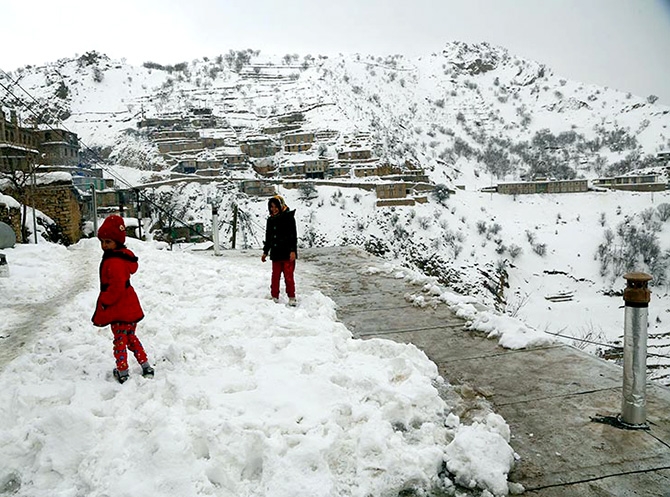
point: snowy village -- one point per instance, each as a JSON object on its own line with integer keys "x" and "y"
{"x": 460, "y": 216}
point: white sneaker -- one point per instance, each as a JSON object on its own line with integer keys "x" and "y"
{"x": 276, "y": 301}
{"x": 292, "y": 302}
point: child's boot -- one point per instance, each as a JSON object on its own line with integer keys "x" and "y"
{"x": 121, "y": 376}
{"x": 147, "y": 370}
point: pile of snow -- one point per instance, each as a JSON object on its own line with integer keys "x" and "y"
{"x": 250, "y": 397}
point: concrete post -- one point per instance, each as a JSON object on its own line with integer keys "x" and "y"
{"x": 637, "y": 297}
{"x": 215, "y": 229}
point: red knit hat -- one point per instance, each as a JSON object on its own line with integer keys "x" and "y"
{"x": 113, "y": 228}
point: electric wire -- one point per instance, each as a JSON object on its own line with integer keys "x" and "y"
{"x": 101, "y": 163}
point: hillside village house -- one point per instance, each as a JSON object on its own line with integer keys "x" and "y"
{"x": 18, "y": 146}
{"x": 298, "y": 142}
{"x": 259, "y": 146}
{"x": 58, "y": 147}
{"x": 156, "y": 122}
{"x": 339, "y": 170}
{"x": 305, "y": 166}
{"x": 257, "y": 188}
{"x": 176, "y": 146}
{"x": 544, "y": 186}
{"x": 639, "y": 183}
{"x": 232, "y": 156}
{"x": 293, "y": 169}
{"x": 326, "y": 135}
{"x": 391, "y": 190}
{"x": 171, "y": 135}
{"x": 55, "y": 151}
{"x": 663, "y": 157}
{"x": 355, "y": 154}
{"x": 316, "y": 168}
{"x": 366, "y": 170}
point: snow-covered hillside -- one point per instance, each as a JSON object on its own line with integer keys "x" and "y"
{"x": 470, "y": 116}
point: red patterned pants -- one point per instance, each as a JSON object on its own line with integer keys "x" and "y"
{"x": 286, "y": 267}
{"x": 124, "y": 336}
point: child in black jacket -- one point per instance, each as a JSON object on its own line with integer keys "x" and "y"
{"x": 281, "y": 244}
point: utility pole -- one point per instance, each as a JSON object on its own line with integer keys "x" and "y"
{"x": 215, "y": 228}
{"x": 121, "y": 201}
{"x": 94, "y": 208}
{"x": 234, "y": 225}
{"x": 139, "y": 214}
{"x": 34, "y": 168}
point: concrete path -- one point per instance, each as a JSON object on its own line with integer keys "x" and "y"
{"x": 547, "y": 395}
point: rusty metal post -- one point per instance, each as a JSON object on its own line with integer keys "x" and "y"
{"x": 637, "y": 297}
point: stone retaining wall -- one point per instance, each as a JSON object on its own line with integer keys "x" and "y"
{"x": 12, "y": 217}
{"x": 59, "y": 202}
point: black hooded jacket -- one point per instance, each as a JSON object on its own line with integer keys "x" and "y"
{"x": 281, "y": 237}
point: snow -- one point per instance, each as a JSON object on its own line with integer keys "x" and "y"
{"x": 53, "y": 177}
{"x": 9, "y": 202}
{"x": 249, "y": 398}
{"x": 221, "y": 417}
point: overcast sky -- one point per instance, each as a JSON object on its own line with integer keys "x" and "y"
{"x": 623, "y": 44}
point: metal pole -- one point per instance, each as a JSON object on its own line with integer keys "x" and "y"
{"x": 234, "y": 238}
{"x": 215, "y": 229}
{"x": 139, "y": 215}
{"x": 33, "y": 202}
{"x": 94, "y": 199}
{"x": 637, "y": 297}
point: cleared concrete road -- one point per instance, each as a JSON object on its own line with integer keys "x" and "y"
{"x": 547, "y": 395}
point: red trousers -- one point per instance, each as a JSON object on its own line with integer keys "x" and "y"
{"x": 279, "y": 267}
{"x": 124, "y": 336}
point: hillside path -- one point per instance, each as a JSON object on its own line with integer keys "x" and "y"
{"x": 547, "y": 395}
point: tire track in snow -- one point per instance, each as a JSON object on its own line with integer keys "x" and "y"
{"x": 82, "y": 268}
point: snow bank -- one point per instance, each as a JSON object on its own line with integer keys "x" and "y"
{"x": 250, "y": 397}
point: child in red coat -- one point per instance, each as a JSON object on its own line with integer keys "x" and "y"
{"x": 118, "y": 304}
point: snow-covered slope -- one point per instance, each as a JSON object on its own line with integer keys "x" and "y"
{"x": 470, "y": 116}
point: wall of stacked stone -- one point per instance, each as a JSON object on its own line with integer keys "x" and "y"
{"x": 12, "y": 217}
{"x": 59, "y": 202}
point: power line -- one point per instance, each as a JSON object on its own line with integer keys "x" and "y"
{"x": 93, "y": 152}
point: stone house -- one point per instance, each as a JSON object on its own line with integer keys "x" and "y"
{"x": 167, "y": 147}
{"x": 18, "y": 146}
{"x": 365, "y": 171}
{"x": 354, "y": 154}
{"x": 543, "y": 186}
{"x": 297, "y": 147}
{"x": 58, "y": 147}
{"x": 259, "y": 146}
{"x": 258, "y": 188}
{"x": 638, "y": 183}
{"x": 155, "y": 122}
{"x": 337, "y": 170}
{"x": 295, "y": 169}
{"x": 232, "y": 156}
{"x": 316, "y": 168}
{"x": 298, "y": 142}
{"x": 391, "y": 190}
{"x": 172, "y": 135}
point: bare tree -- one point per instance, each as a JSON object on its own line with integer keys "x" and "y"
{"x": 170, "y": 210}
{"x": 19, "y": 174}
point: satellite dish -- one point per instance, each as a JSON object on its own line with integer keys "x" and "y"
{"x": 7, "y": 236}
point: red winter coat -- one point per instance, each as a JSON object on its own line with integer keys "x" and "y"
{"x": 118, "y": 302}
